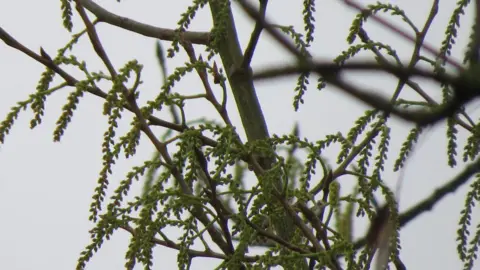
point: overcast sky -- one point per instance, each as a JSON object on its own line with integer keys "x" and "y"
{"x": 46, "y": 187}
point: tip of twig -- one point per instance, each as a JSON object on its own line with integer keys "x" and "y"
{"x": 216, "y": 74}
{"x": 44, "y": 54}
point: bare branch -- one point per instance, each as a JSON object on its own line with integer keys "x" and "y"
{"x": 248, "y": 55}
{"x": 262, "y": 22}
{"x": 465, "y": 89}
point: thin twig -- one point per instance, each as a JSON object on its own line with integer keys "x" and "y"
{"x": 97, "y": 45}
{"x": 277, "y": 35}
{"x": 202, "y": 73}
{"x": 163, "y": 66}
{"x": 248, "y": 55}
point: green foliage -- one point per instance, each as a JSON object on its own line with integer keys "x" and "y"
{"x": 470, "y": 52}
{"x": 196, "y": 181}
{"x": 167, "y": 98}
{"x": 68, "y": 109}
{"x": 184, "y": 23}
{"x": 301, "y": 88}
{"x": 38, "y": 104}
{"x": 363, "y": 165}
{"x": 38, "y": 99}
{"x": 219, "y": 32}
{"x": 355, "y": 49}
{"x": 362, "y": 17}
{"x": 113, "y": 108}
{"x": 314, "y": 153}
{"x": 302, "y": 82}
{"x": 67, "y": 14}
{"x": 467, "y": 251}
{"x": 7, "y": 124}
{"x": 452, "y": 28}
{"x": 381, "y": 156}
{"x": 109, "y": 222}
{"x": 309, "y": 19}
{"x": 407, "y": 147}
{"x": 452, "y": 142}
{"x": 445, "y": 51}
{"x": 471, "y": 148}
{"x": 392, "y": 202}
{"x": 473, "y": 250}
{"x": 359, "y": 126}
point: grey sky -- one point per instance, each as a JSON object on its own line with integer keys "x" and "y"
{"x": 46, "y": 187}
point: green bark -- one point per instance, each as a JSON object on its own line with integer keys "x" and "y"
{"x": 241, "y": 83}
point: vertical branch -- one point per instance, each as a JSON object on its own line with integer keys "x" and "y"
{"x": 241, "y": 83}
{"x": 239, "y": 77}
{"x": 247, "y": 59}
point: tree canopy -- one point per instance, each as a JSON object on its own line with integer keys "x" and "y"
{"x": 238, "y": 193}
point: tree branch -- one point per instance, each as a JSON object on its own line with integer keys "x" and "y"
{"x": 192, "y": 253}
{"x": 240, "y": 79}
{"x": 465, "y": 88}
{"x": 71, "y": 81}
{"x": 45, "y": 60}
{"x": 404, "y": 34}
{"x": 261, "y": 21}
{"x": 104, "y": 15}
{"x": 203, "y": 75}
{"x": 159, "y": 146}
{"x": 248, "y": 55}
{"x": 415, "y": 57}
{"x": 428, "y": 203}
